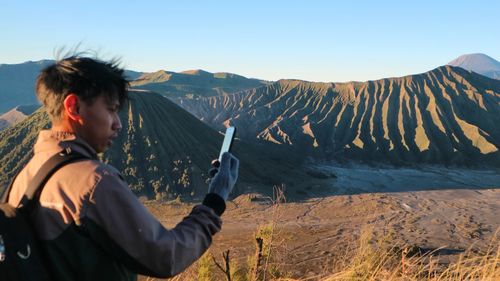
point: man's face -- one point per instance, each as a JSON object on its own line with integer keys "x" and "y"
{"x": 100, "y": 123}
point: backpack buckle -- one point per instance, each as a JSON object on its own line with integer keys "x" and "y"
{"x": 66, "y": 151}
{"x": 27, "y": 255}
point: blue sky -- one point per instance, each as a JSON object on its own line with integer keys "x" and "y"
{"x": 331, "y": 41}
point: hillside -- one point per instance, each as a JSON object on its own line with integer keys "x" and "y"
{"x": 162, "y": 152}
{"x": 16, "y": 115}
{"x": 444, "y": 116}
{"x": 194, "y": 83}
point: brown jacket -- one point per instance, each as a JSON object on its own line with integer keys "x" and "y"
{"x": 93, "y": 227}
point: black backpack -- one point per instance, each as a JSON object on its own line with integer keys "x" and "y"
{"x": 20, "y": 256}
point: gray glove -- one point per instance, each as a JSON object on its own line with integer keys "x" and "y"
{"x": 224, "y": 178}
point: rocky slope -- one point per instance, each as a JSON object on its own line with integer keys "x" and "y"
{"x": 447, "y": 116}
{"x": 163, "y": 152}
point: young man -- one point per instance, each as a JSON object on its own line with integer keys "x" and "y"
{"x": 91, "y": 226}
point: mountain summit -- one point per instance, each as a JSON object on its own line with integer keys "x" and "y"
{"x": 479, "y": 63}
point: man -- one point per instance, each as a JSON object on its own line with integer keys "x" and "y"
{"x": 91, "y": 226}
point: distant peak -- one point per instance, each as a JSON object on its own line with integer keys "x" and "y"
{"x": 153, "y": 77}
{"x": 28, "y": 63}
{"x": 476, "y": 62}
{"x": 27, "y": 109}
{"x": 473, "y": 56}
{"x": 196, "y": 72}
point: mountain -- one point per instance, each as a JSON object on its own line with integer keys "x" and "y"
{"x": 479, "y": 63}
{"x": 16, "y": 115}
{"x": 163, "y": 151}
{"x": 17, "y": 83}
{"x": 194, "y": 83}
{"x": 132, "y": 75}
{"x": 447, "y": 116}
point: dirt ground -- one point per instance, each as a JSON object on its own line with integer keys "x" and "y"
{"x": 313, "y": 235}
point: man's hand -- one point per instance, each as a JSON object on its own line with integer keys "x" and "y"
{"x": 224, "y": 175}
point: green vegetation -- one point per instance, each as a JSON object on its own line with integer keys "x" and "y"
{"x": 16, "y": 145}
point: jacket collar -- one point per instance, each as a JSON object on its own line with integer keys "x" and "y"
{"x": 49, "y": 140}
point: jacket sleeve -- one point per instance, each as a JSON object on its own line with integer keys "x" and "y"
{"x": 138, "y": 240}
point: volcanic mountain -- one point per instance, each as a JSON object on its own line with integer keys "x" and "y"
{"x": 163, "y": 151}
{"x": 448, "y": 115}
{"x": 479, "y": 63}
{"x": 194, "y": 83}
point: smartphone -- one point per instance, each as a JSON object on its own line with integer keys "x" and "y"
{"x": 228, "y": 141}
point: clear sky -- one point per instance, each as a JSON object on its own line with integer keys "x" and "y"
{"x": 331, "y": 41}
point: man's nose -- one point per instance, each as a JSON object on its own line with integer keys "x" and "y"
{"x": 117, "y": 124}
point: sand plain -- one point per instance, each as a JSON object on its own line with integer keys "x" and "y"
{"x": 431, "y": 208}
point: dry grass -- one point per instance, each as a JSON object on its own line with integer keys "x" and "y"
{"x": 380, "y": 259}
{"x": 375, "y": 258}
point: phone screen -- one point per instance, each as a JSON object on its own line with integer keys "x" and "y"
{"x": 228, "y": 141}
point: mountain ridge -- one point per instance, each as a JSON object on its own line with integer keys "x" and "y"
{"x": 445, "y": 113}
{"x": 17, "y": 83}
{"x": 194, "y": 83}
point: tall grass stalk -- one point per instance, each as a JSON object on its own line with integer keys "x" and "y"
{"x": 381, "y": 259}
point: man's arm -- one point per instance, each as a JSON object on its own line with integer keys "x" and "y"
{"x": 126, "y": 230}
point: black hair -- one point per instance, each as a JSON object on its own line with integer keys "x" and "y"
{"x": 86, "y": 77}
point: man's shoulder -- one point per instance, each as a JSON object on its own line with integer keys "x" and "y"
{"x": 108, "y": 170}
{"x": 94, "y": 167}
{"x": 87, "y": 176}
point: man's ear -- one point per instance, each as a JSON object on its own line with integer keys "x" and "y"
{"x": 72, "y": 107}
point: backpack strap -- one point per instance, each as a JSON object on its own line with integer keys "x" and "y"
{"x": 35, "y": 187}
